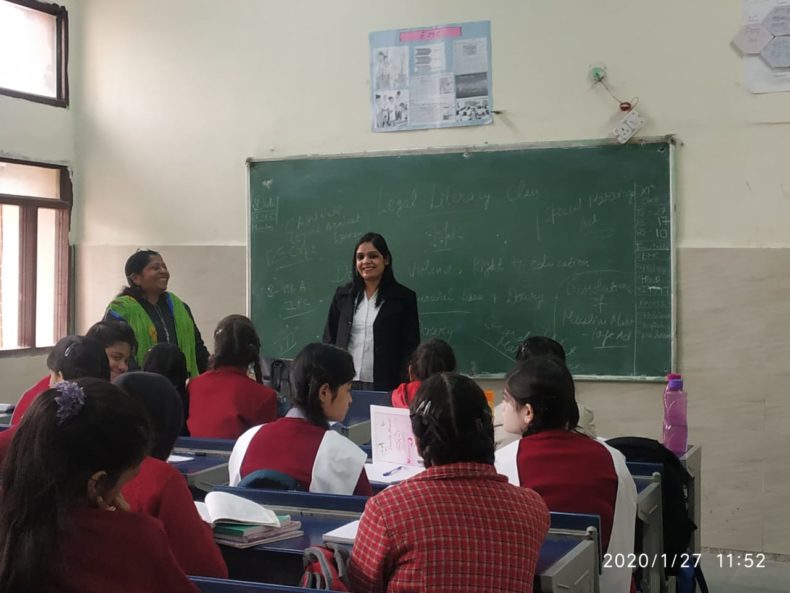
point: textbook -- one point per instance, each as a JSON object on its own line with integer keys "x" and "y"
{"x": 247, "y": 531}
{"x": 224, "y": 507}
{"x": 345, "y": 534}
{"x": 275, "y": 536}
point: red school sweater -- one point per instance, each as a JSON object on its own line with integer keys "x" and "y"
{"x": 225, "y": 402}
{"x": 160, "y": 491}
{"x": 116, "y": 552}
{"x": 27, "y": 399}
{"x": 404, "y": 393}
{"x": 290, "y": 445}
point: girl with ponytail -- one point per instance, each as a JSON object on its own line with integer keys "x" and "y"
{"x": 224, "y": 402}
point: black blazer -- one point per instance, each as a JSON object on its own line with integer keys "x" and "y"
{"x": 396, "y": 331}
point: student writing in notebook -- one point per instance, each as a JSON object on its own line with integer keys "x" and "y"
{"x": 63, "y": 520}
{"x": 224, "y": 402}
{"x": 159, "y": 490}
{"x": 571, "y": 471}
{"x": 301, "y": 445}
{"x": 457, "y": 526}
{"x": 431, "y": 357}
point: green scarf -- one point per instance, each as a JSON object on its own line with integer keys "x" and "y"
{"x": 127, "y": 308}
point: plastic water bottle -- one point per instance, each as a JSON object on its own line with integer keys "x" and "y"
{"x": 675, "y": 416}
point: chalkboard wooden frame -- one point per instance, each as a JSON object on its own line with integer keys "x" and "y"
{"x": 668, "y": 140}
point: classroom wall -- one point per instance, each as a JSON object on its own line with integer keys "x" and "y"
{"x": 176, "y": 95}
{"x": 43, "y": 133}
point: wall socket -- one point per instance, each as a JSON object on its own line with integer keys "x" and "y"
{"x": 628, "y": 126}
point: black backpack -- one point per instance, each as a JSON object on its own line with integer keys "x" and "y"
{"x": 677, "y": 525}
{"x": 277, "y": 375}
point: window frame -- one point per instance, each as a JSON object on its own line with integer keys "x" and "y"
{"x": 28, "y": 260}
{"x": 62, "y": 55}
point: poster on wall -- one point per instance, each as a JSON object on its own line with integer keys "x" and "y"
{"x": 431, "y": 77}
{"x": 764, "y": 43}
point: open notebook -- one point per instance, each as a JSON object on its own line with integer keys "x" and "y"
{"x": 394, "y": 450}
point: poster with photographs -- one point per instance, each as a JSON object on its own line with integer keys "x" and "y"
{"x": 431, "y": 77}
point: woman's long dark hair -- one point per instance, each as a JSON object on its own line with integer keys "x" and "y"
{"x": 134, "y": 265}
{"x": 452, "y": 421}
{"x": 46, "y": 472}
{"x": 314, "y": 366}
{"x": 387, "y": 280}
{"x": 546, "y": 384}
{"x": 236, "y": 344}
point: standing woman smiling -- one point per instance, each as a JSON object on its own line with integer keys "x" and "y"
{"x": 155, "y": 314}
{"x": 374, "y": 318}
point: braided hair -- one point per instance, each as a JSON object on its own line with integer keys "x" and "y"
{"x": 452, "y": 421}
{"x": 316, "y": 365}
{"x": 236, "y": 344}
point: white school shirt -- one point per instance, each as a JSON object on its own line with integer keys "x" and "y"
{"x": 360, "y": 343}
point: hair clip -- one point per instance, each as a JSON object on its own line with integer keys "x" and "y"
{"x": 69, "y": 349}
{"x": 423, "y": 408}
{"x": 70, "y": 401}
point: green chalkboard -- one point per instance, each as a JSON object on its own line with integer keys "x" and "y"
{"x": 573, "y": 242}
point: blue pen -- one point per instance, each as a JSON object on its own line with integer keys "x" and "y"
{"x": 392, "y": 471}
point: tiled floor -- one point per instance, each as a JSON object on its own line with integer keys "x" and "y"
{"x": 774, "y": 577}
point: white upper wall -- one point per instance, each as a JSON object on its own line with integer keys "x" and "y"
{"x": 177, "y": 95}
{"x": 36, "y": 131}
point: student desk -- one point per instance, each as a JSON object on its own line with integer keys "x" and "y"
{"x": 568, "y": 561}
{"x": 356, "y": 424}
{"x": 648, "y": 512}
{"x": 692, "y": 461}
{"x": 209, "y": 585}
{"x": 204, "y": 471}
{"x": 219, "y": 447}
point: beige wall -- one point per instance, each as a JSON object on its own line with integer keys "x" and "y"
{"x": 176, "y": 95}
{"x": 36, "y": 132}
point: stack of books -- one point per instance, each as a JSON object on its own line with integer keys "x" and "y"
{"x": 243, "y": 523}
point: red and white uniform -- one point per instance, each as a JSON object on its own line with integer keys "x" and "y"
{"x": 576, "y": 474}
{"x": 160, "y": 491}
{"x": 321, "y": 460}
{"x": 225, "y": 402}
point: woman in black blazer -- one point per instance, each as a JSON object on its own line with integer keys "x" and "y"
{"x": 374, "y": 318}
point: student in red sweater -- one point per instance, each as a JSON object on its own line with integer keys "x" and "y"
{"x": 159, "y": 490}
{"x": 457, "y": 526}
{"x": 571, "y": 471}
{"x": 168, "y": 360}
{"x": 118, "y": 341}
{"x": 301, "y": 445}
{"x": 63, "y": 520}
{"x": 72, "y": 357}
{"x": 430, "y": 358}
{"x": 224, "y": 402}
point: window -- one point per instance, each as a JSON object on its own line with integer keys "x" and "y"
{"x": 35, "y": 205}
{"x": 34, "y": 51}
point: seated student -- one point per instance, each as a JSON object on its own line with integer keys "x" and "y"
{"x": 430, "y": 358}
{"x": 168, "y": 360}
{"x": 571, "y": 471}
{"x": 159, "y": 490}
{"x": 301, "y": 445}
{"x": 116, "y": 339}
{"x": 224, "y": 401}
{"x": 71, "y": 358}
{"x": 63, "y": 525}
{"x": 457, "y": 526}
{"x": 119, "y": 343}
{"x": 540, "y": 346}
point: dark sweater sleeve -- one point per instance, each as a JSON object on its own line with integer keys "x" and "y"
{"x": 201, "y": 352}
{"x": 332, "y": 319}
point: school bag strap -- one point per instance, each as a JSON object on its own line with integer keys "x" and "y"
{"x": 325, "y": 568}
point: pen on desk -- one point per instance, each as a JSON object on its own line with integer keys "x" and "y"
{"x": 195, "y": 453}
{"x": 392, "y": 471}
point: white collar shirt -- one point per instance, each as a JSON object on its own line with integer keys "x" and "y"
{"x": 360, "y": 344}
